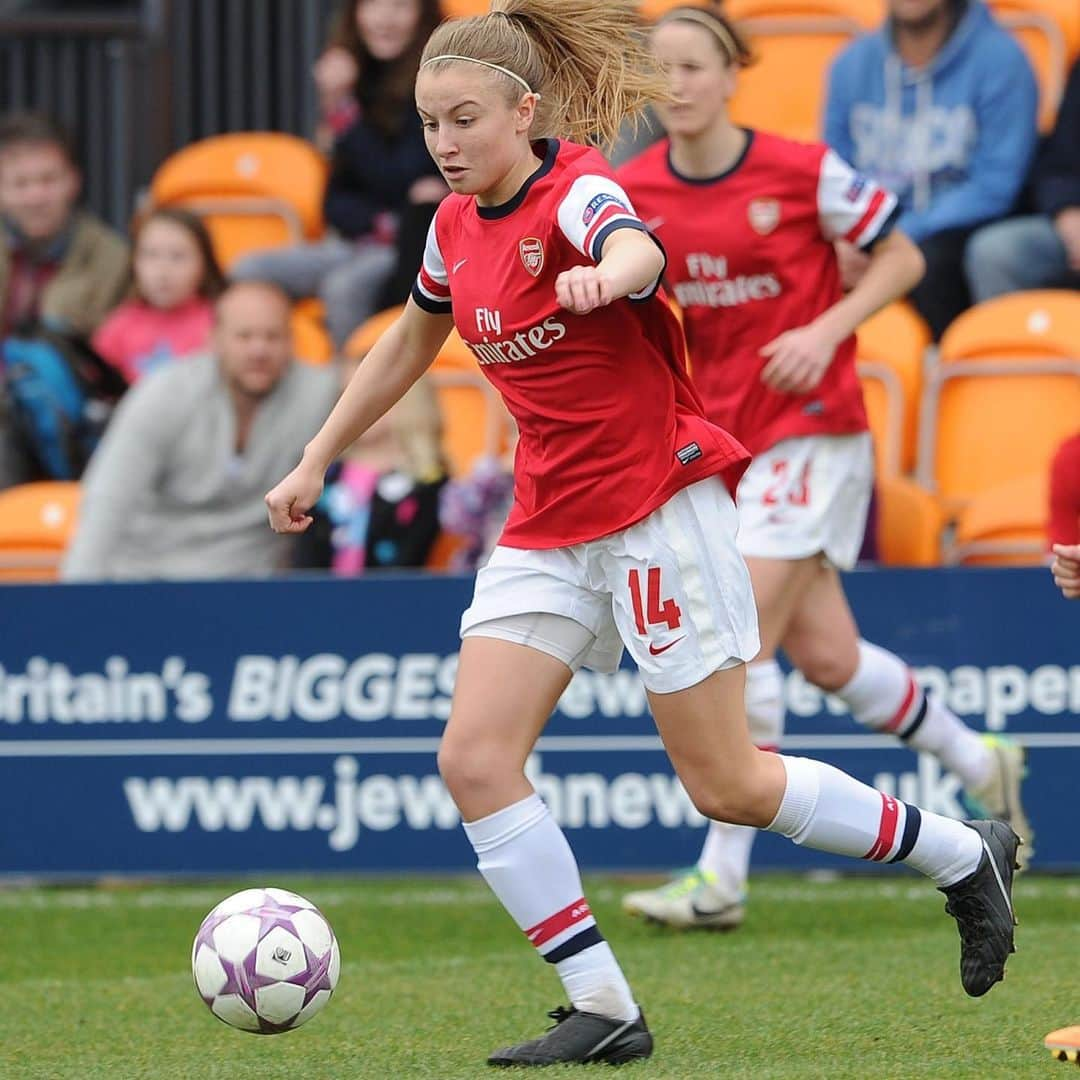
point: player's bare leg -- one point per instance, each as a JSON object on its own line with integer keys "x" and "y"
{"x": 504, "y": 694}
{"x": 705, "y": 733}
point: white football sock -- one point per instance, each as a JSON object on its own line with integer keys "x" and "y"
{"x": 726, "y": 854}
{"x": 727, "y": 848}
{"x": 826, "y": 809}
{"x": 883, "y": 695}
{"x": 525, "y": 858}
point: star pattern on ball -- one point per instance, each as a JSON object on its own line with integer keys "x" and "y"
{"x": 317, "y": 975}
{"x": 237, "y": 980}
{"x": 240, "y": 977}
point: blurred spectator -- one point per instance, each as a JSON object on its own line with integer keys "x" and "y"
{"x": 176, "y": 279}
{"x": 940, "y": 107}
{"x": 1064, "y": 525}
{"x": 381, "y": 503}
{"x": 1041, "y": 250}
{"x": 176, "y": 488}
{"x": 383, "y": 186}
{"x": 474, "y": 509}
{"x": 61, "y": 268}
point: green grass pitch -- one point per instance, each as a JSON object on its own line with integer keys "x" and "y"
{"x": 846, "y": 978}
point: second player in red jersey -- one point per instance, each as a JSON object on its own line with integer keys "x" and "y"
{"x": 750, "y": 256}
{"x": 749, "y": 221}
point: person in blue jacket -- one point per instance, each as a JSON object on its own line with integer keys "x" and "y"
{"x": 383, "y": 186}
{"x": 1039, "y": 250}
{"x": 939, "y": 106}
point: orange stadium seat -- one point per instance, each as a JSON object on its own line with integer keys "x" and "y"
{"x": 1003, "y": 395}
{"x": 890, "y": 360}
{"x": 311, "y": 342}
{"x": 365, "y": 335}
{"x": 1049, "y": 32}
{"x": 866, "y": 13}
{"x": 476, "y": 422}
{"x": 37, "y": 522}
{"x": 909, "y": 523}
{"x": 795, "y": 44}
{"x": 883, "y": 395}
{"x": 1006, "y": 524}
{"x": 254, "y": 190}
{"x": 474, "y": 417}
{"x": 443, "y": 551}
{"x": 461, "y": 9}
{"x": 651, "y": 10}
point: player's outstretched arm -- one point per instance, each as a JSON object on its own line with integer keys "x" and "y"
{"x": 799, "y": 358}
{"x": 395, "y": 362}
{"x": 629, "y": 263}
{"x": 1066, "y": 570}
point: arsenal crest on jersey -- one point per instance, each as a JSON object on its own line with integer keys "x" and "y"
{"x": 532, "y": 255}
{"x": 764, "y": 215}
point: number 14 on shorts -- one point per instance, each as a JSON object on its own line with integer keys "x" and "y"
{"x": 658, "y": 612}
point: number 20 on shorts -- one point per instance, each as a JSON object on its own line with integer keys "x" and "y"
{"x": 660, "y": 612}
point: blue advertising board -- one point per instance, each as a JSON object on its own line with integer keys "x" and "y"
{"x": 292, "y": 725}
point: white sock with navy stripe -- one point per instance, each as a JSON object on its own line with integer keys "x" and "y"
{"x": 524, "y": 857}
{"x": 726, "y": 852}
{"x": 826, "y": 809}
{"x": 883, "y": 695}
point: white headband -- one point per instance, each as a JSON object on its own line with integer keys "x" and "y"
{"x": 484, "y": 63}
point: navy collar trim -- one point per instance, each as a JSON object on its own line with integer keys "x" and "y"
{"x": 703, "y": 180}
{"x": 550, "y": 153}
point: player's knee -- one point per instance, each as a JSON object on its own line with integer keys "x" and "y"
{"x": 469, "y": 768}
{"x": 827, "y": 668}
{"x": 738, "y": 801}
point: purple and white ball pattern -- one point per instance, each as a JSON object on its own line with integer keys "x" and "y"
{"x": 265, "y": 960}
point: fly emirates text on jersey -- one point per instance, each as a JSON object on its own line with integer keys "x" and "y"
{"x": 524, "y": 344}
{"x": 711, "y": 286}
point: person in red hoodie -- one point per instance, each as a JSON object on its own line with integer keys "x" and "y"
{"x": 170, "y": 312}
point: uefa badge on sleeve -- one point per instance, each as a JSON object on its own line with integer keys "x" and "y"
{"x": 532, "y": 255}
{"x": 764, "y": 215}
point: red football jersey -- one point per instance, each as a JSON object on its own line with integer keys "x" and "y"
{"x": 610, "y": 425}
{"x": 750, "y": 255}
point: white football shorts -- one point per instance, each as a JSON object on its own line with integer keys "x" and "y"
{"x": 807, "y": 496}
{"x": 672, "y": 589}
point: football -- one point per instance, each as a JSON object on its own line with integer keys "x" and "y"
{"x": 265, "y": 961}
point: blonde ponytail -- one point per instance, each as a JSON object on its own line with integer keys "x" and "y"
{"x": 587, "y": 59}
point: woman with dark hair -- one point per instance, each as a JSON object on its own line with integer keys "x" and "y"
{"x": 383, "y": 186}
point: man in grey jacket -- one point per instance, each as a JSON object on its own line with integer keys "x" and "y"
{"x": 175, "y": 490}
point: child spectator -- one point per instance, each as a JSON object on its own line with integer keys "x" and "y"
{"x": 474, "y": 509}
{"x": 380, "y": 508}
{"x": 383, "y": 185}
{"x": 171, "y": 313}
